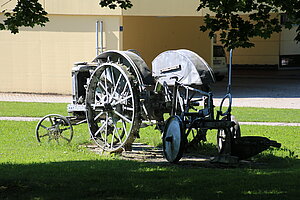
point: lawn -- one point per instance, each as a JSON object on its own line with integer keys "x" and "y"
{"x": 29, "y": 170}
{"x": 31, "y": 109}
{"x": 14, "y": 109}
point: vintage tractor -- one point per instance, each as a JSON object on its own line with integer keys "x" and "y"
{"x": 117, "y": 94}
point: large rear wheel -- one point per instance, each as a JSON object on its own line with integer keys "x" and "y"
{"x": 112, "y": 107}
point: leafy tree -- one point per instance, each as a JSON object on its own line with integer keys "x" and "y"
{"x": 30, "y": 13}
{"x": 235, "y": 30}
{"x": 27, "y": 13}
{"x": 115, "y": 3}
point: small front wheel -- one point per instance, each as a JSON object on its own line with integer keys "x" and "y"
{"x": 54, "y": 127}
{"x": 173, "y": 139}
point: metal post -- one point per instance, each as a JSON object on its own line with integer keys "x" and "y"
{"x": 97, "y": 38}
{"x": 229, "y": 71}
{"x": 101, "y": 37}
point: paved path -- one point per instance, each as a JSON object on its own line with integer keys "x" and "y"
{"x": 25, "y": 97}
{"x": 266, "y": 102}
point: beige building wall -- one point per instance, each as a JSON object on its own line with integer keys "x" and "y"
{"x": 265, "y": 52}
{"x": 40, "y": 60}
{"x": 70, "y": 7}
{"x": 153, "y": 35}
{"x": 163, "y": 8}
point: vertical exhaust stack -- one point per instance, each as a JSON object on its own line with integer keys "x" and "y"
{"x": 99, "y": 28}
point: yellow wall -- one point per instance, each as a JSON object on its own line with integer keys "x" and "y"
{"x": 78, "y": 7}
{"x": 265, "y": 52}
{"x": 153, "y": 35}
{"x": 163, "y": 8}
{"x": 73, "y": 7}
{"x": 40, "y": 59}
{"x": 288, "y": 46}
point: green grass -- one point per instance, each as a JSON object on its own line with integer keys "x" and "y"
{"x": 29, "y": 170}
{"x": 30, "y": 109}
{"x": 288, "y": 136}
{"x": 266, "y": 114}
{"x": 16, "y": 109}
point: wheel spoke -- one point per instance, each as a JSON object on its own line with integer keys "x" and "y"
{"x": 51, "y": 121}
{"x": 61, "y": 121}
{"x": 112, "y": 139}
{"x": 47, "y": 134}
{"x": 128, "y": 108}
{"x": 106, "y": 130}
{"x": 99, "y": 115}
{"x": 44, "y": 127}
{"x": 123, "y": 117}
{"x": 122, "y": 100}
{"x": 63, "y": 137}
{"x": 116, "y": 129}
{"x": 124, "y": 89}
{"x": 64, "y": 129}
{"x": 124, "y": 128}
{"x": 104, "y": 87}
{"x": 111, "y": 75}
{"x": 105, "y": 83}
{"x": 100, "y": 129}
{"x": 115, "y": 88}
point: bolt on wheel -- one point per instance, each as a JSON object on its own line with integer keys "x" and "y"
{"x": 56, "y": 128}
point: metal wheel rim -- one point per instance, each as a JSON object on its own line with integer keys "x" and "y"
{"x": 173, "y": 141}
{"x": 112, "y": 107}
{"x": 54, "y": 127}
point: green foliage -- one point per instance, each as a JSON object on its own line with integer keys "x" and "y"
{"x": 27, "y": 13}
{"x": 112, "y": 4}
{"x": 236, "y": 31}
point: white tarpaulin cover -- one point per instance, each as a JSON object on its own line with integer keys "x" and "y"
{"x": 182, "y": 65}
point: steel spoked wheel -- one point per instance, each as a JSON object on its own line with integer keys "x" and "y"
{"x": 225, "y": 135}
{"x": 112, "y": 107}
{"x": 173, "y": 139}
{"x": 55, "y": 128}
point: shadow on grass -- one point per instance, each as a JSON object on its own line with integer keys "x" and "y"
{"x": 119, "y": 179}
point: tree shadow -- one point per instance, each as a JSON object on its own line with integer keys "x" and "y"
{"x": 120, "y": 179}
